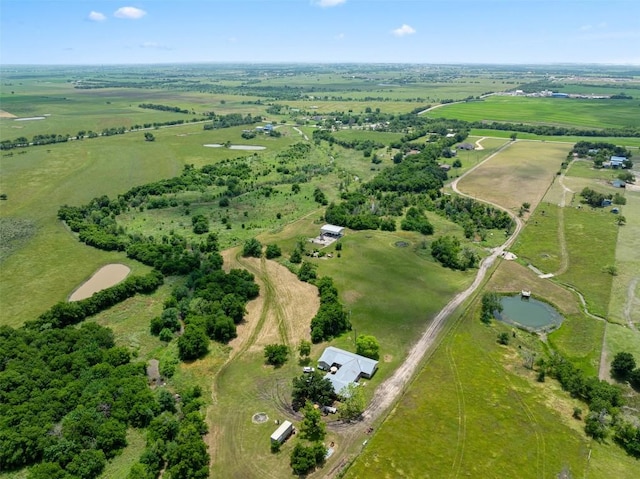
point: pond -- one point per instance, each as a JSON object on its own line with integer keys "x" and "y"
{"x": 529, "y": 313}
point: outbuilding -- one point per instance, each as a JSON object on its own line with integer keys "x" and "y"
{"x": 282, "y": 433}
{"x": 332, "y": 230}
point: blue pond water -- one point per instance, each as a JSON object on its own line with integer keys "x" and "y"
{"x": 529, "y": 313}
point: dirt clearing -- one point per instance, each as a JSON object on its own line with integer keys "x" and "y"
{"x": 6, "y": 114}
{"x": 104, "y": 278}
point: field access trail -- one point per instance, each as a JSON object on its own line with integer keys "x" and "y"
{"x": 390, "y": 390}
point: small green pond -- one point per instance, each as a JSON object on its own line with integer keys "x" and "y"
{"x": 529, "y": 313}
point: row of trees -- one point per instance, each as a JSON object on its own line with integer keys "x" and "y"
{"x": 331, "y": 319}
{"x": 153, "y": 106}
{"x": 66, "y": 313}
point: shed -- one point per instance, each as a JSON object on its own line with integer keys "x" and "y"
{"x": 282, "y": 433}
{"x": 618, "y": 184}
{"x": 332, "y": 230}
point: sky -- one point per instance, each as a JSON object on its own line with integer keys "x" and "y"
{"x": 77, "y": 32}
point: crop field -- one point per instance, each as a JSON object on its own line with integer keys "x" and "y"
{"x": 569, "y": 140}
{"x": 545, "y": 111}
{"x": 521, "y": 173}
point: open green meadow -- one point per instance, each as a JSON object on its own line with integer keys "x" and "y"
{"x": 545, "y": 111}
{"x": 473, "y": 409}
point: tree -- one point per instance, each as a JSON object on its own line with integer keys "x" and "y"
{"x": 302, "y": 459}
{"x": 623, "y": 365}
{"x": 503, "y": 338}
{"x": 307, "y": 272}
{"x": 634, "y": 378}
{"x": 490, "y": 304}
{"x": 621, "y": 220}
{"x": 457, "y": 163}
{"x": 312, "y": 426}
{"x": 193, "y": 344}
{"x": 273, "y": 251}
{"x": 513, "y": 136}
{"x": 88, "y": 464}
{"x": 252, "y": 247}
{"x": 312, "y": 387}
{"x": 353, "y": 403}
{"x": 149, "y": 137}
{"x": 368, "y": 346}
{"x": 276, "y": 354}
{"x": 304, "y": 348}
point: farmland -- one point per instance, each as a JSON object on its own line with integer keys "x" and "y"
{"x": 388, "y": 282}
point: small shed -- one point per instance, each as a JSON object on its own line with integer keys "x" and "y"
{"x": 615, "y": 211}
{"x": 332, "y": 230}
{"x": 618, "y": 184}
{"x": 282, "y": 433}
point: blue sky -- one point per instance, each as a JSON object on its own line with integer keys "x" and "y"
{"x": 384, "y": 31}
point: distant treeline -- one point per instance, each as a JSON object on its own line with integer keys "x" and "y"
{"x": 232, "y": 119}
{"x": 153, "y": 106}
{"x": 22, "y": 142}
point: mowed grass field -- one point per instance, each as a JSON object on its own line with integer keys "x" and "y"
{"x": 546, "y": 111}
{"x": 520, "y": 173}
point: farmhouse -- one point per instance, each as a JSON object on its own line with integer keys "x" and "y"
{"x": 282, "y": 433}
{"x": 466, "y": 146}
{"x": 345, "y": 367}
{"x": 616, "y": 161}
{"x": 332, "y": 230}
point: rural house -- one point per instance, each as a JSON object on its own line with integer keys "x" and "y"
{"x": 345, "y": 367}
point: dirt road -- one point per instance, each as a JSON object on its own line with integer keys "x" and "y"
{"x": 390, "y": 390}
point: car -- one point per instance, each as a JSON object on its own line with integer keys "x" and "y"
{"x": 329, "y": 410}
{"x": 308, "y": 369}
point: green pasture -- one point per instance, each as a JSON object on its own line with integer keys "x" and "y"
{"x": 624, "y": 306}
{"x": 623, "y": 141}
{"x": 407, "y": 290}
{"x": 474, "y": 410}
{"x": 546, "y": 111}
{"x": 591, "y": 243}
{"x": 48, "y": 264}
{"x": 385, "y": 137}
{"x": 579, "y": 339}
{"x": 538, "y": 243}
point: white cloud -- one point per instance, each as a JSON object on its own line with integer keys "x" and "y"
{"x": 328, "y": 3}
{"x": 97, "y": 16}
{"x": 403, "y": 30}
{"x": 131, "y": 13}
{"x": 585, "y": 28}
{"x": 339, "y": 36}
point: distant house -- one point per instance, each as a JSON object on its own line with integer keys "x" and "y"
{"x": 617, "y": 161}
{"x": 332, "y": 230}
{"x": 615, "y": 211}
{"x": 445, "y": 167}
{"x": 268, "y": 128}
{"x": 559, "y": 95}
{"x": 345, "y": 368}
{"x": 466, "y": 146}
{"x": 606, "y": 202}
{"x": 619, "y": 184}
